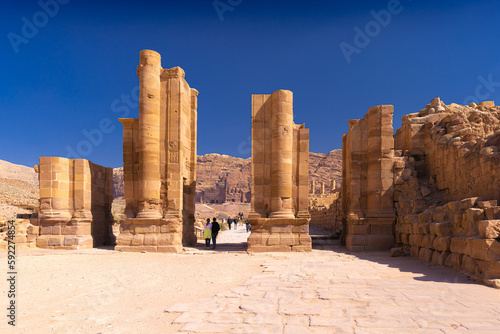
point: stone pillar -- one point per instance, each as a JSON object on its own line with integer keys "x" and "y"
{"x": 313, "y": 187}
{"x": 280, "y": 177}
{"x": 322, "y": 188}
{"x": 75, "y": 204}
{"x": 367, "y": 185}
{"x": 148, "y": 72}
{"x": 163, "y": 149}
{"x": 129, "y": 175}
{"x": 380, "y": 143}
{"x": 281, "y": 148}
{"x": 333, "y": 186}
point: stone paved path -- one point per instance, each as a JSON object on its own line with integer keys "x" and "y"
{"x": 333, "y": 291}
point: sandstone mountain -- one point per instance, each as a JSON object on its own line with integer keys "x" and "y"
{"x": 220, "y": 179}
{"x": 9, "y": 170}
{"x": 325, "y": 168}
{"x": 18, "y": 189}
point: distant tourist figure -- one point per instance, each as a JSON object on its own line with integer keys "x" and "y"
{"x": 207, "y": 232}
{"x": 235, "y": 221}
{"x": 229, "y": 222}
{"x": 215, "y": 231}
{"x": 247, "y": 224}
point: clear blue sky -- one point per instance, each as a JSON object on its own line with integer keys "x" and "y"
{"x": 68, "y": 76}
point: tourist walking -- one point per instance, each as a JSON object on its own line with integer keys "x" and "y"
{"x": 207, "y": 232}
{"x": 215, "y": 231}
{"x": 247, "y": 224}
{"x": 229, "y": 222}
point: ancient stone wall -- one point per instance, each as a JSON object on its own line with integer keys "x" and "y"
{"x": 26, "y": 233}
{"x": 447, "y": 189}
{"x": 367, "y": 186}
{"x": 159, "y": 156}
{"x": 75, "y": 204}
{"x": 326, "y": 212}
{"x": 280, "y": 176}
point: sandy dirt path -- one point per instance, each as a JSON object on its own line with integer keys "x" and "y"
{"x": 103, "y": 291}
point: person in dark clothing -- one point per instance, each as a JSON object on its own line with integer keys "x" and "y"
{"x": 215, "y": 231}
{"x": 229, "y": 222}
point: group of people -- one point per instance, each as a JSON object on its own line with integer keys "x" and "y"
{"x": 231, "y": 221}
{"x": 236, "y": 220}
{"x": 210, "y": 231}
{"x": 212, "y": 228}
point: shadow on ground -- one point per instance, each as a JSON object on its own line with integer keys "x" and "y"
{"x": 426, "y": 271}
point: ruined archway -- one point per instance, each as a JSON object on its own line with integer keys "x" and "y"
{"x": 159, "y": 154}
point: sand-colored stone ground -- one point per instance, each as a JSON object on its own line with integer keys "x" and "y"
{"x": 103, "y": 291}
{"x": 228, "y": 291}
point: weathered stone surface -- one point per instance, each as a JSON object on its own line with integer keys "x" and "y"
{"x": 280, "y": 176}
{"x": 450, "y": 172}
{"x": 75, "y": 204}
{"x": 483, "y": 249}
{"x": 489, "y": 229}
{"x": 159, "y": 161}
{"x": 368, "y": 179}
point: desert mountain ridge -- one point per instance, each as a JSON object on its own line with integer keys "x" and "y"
{"x": 218, "y": 176}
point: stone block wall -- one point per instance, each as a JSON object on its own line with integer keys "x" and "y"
{"x": 447, "y": 190}
{"x": 26, "y": 233}
{"x": 75, "y": 204}
{"x": 326, "y": 212}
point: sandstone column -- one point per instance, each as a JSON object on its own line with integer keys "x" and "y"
{"x": 148, "y": 72}
{"x": 281, "y": 147}
{"x": 333, "y": 186}
{"x": 313, "y": 186}
{"x": 280, "y": 177}
{"x": 322, "y": 188}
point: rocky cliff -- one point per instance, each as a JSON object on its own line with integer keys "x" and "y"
{"x": 220, "y": 178}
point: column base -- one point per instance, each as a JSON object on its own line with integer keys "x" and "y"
{"x": 150, "y": 235}
{"x": 73, "y": 234}
{"x": 370, "y": 234}
{"x": 279, "y": 235}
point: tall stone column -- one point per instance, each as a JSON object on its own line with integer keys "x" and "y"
{"x": 282, "y": 163}
{"x": 148, "y": 72}
{"x": 313, "y": 187}
{"x": 322, "y": 188}
{"x": 333, "y": 186}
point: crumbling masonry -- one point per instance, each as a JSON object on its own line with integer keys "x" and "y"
{"x": 433, "y": 190}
